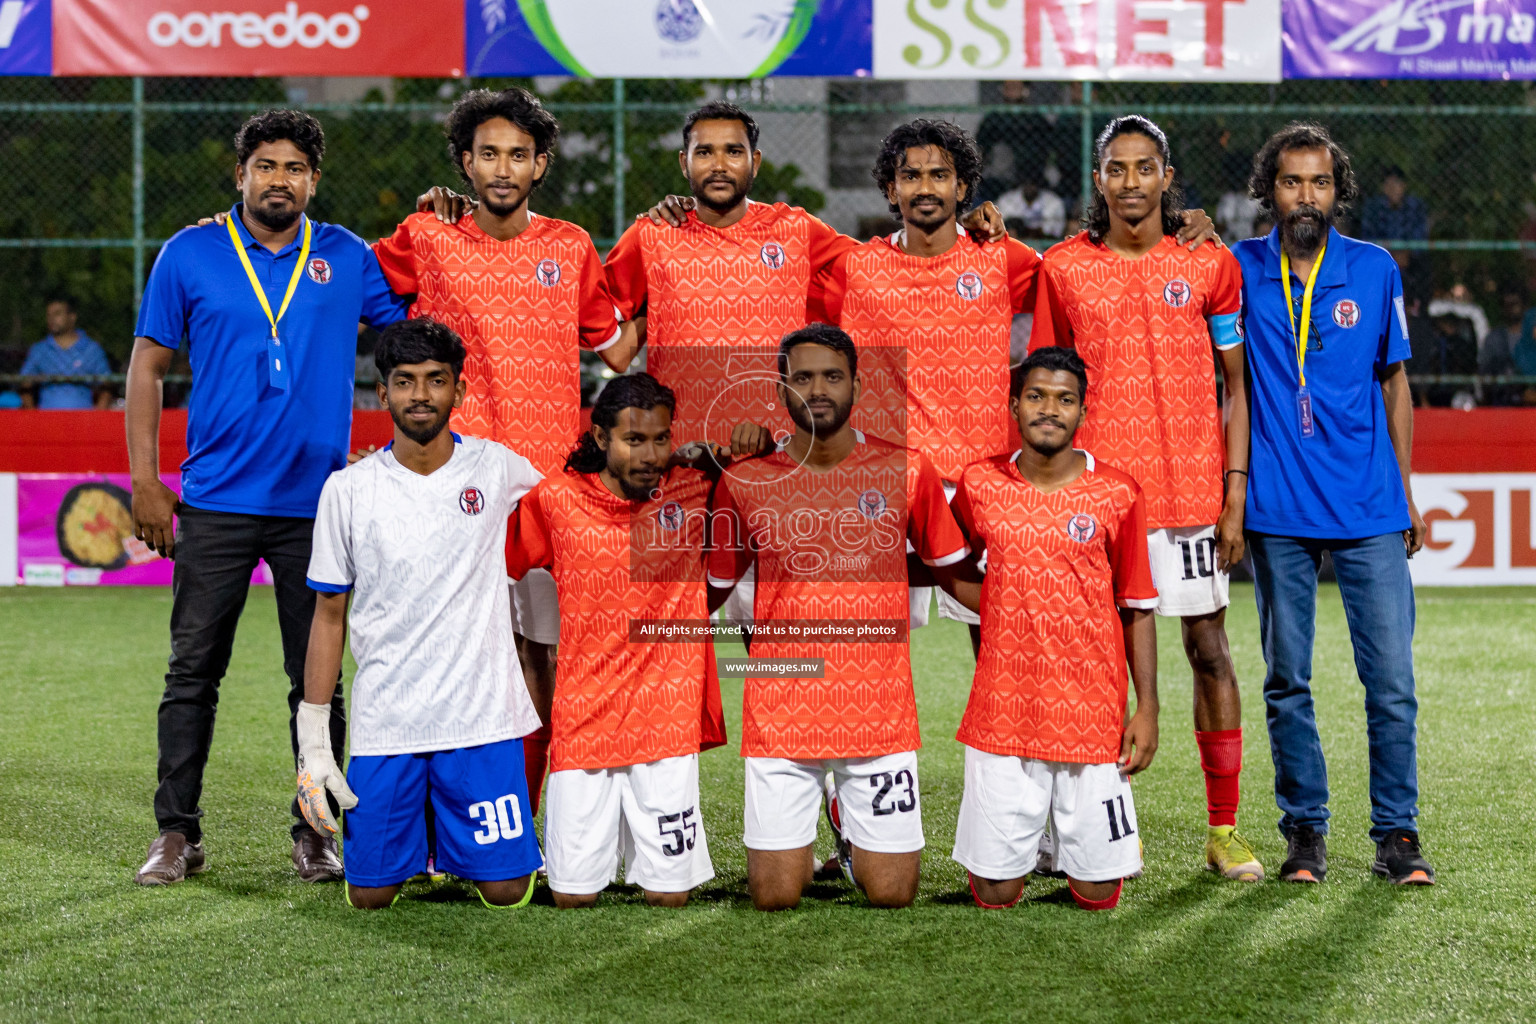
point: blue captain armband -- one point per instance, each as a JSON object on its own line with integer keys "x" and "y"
{"x": 1226, "y": 330}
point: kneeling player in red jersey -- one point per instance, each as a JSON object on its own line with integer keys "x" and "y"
{"x": 1145, "y": 313}
{"x": 826, "y": 518}
{"x": 1065, "y": 606}
{"x": 623, "y": 536}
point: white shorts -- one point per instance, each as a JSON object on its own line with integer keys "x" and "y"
{"x": 918, "y": 598}
{"x": 1184, "y": 570}
{"x": 1008, "y": 800}
{"x": 536, "y": 607}
{"x": 877, "y": 802}
{"x": 646, "y": 815}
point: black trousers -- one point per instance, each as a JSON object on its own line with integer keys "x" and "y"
{"x": 216, "y": 552}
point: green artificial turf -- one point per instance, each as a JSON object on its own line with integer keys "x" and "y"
{"x": 247, "y": 941}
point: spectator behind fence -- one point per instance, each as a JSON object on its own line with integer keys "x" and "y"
{"x": 1015, "y": 144}
{"x": 1495, "y": 356}
{"x": 1237, "y": 212}
{"x": 65, "y": 352}
{"x": 1042, "y": 212}
{"x": 1392, "y": 214}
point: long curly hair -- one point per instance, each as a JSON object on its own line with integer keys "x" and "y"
{"x": 630, "y": 391}
{"x": 1096, "y": 217}
{"x": 518, "y": 106}
{"x": 951, "y": 138}
{"x": 1301, "y": 135}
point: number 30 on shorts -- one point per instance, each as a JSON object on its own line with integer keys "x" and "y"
{"x": 501, "y": 818}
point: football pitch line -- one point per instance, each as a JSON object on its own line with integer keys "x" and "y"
{"x": 82, "y": 670}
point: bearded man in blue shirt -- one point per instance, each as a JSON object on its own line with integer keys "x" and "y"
{"x": 1331, "y": 439}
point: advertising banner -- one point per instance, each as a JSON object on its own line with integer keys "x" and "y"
{"x": 1119, "y": 40}
{"x": 1482, "y": 529}
{"x": 422, "y": 38}
{"x": 1410, "y": 39}
{"x": 668, "y": 38}
{"x": 77, "y": 530}
{"x": 26, "y": 37}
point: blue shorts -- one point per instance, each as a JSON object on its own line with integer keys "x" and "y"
{"x": 479, "y": 797}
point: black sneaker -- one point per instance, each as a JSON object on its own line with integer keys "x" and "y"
{"x": 1399, "y": 860}
{"x": 1306, "y": 856}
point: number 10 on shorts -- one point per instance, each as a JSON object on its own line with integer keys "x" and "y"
{"x": 498, "y": 819}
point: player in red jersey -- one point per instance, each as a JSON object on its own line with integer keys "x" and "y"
{"x": 527, "y": 294}
{"x": 1144, "y": 313}
{"x": 931, "y": 309}
{"x": 624, "y": 536}
{"x": 1065, "y": 606}
{"x": 826, "y": 518}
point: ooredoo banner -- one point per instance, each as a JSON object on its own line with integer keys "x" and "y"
{"x": 1493, "y": 39}
{"x": 258, "y": 37}
{"x": 1121, "y": 40}
{"x": 668, "y": 38}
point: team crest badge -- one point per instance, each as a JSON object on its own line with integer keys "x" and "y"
{"x": 872, "y": 503}
{"x": 1346, "y": 313}
{"x": 772, "y": 255}
{"x": 1177, "y": 293}
{"x": 968, "y": 285}
{"x": 670, "y": 516}
{"x": 547, "y": 273}
{"x": 1082, "y": 527}
{"x": 318, "y": 270}
{"x": 678, "y": 21}
{"x": 472, "y": 501}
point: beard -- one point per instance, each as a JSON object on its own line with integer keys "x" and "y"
{"x": 1046, "y": 448}
{"x": 1304, "y": 229}
{"x": 503, "y": 209}
{"x": 739, "y": 191}
{"x": 275, "y": 220}
{"x": 801, "y": 415}
{"x": 422, "y": 434}
{"x": 634, "y": 490}
{"x": 942, "y": 213}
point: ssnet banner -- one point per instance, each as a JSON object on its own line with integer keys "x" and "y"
{"x": 1087, "y": 40}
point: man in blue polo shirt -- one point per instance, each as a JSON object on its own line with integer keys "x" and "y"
{"x": 66, "y": 352}
{"x": 1331, "y": 437}
{"x": 268, "y": 303}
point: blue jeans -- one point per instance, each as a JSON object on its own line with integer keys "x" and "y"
{"x": 1378, "y": 605}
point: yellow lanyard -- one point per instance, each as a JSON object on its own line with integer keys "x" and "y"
{"x": 1300, "y": 335}
{"x": 293, "y": 282}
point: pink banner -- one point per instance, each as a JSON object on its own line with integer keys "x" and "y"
{"x": 76, "y": 529}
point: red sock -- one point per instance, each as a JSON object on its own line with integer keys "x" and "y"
{"x": 1107, "y": 903}
{"x": 983, "y": 904}
{"x": 1221, "y": 758}
{"x": 535, "y": 762}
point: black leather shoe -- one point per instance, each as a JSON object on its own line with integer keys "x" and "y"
{"x": 315, "y": 858}
{"x": 171, "y": 859}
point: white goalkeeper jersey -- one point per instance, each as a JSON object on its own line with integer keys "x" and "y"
{"x": 431, "y": 620}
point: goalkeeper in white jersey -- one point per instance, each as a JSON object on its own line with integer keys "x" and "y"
{"x": 415, "y": 536}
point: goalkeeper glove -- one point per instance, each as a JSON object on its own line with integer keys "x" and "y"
{"x": 317, "y": 770}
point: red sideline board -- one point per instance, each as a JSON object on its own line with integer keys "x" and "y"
{"x": 1474, "y": 477}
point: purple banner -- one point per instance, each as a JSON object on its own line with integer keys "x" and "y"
{"x": 1487, "y": 39}
{"x": 77, "y": 530}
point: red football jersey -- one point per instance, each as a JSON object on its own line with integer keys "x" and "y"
{"x": 1051, "y": 676}
{"x": 830, "y": 548}
{"x": 716, "y": 303}
{"x": 1140, "y": 325}
{"x": 933, "y": 341}
{"x": 620, "y": 700}
{"x": 524, "y": 309}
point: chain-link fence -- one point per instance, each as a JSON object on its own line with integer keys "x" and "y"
{"x": 101, "y": 171}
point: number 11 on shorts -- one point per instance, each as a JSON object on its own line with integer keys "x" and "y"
{"x": 1118, "y": 829}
